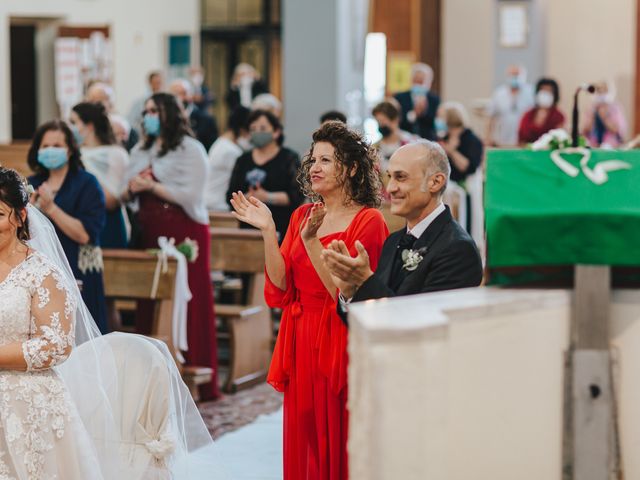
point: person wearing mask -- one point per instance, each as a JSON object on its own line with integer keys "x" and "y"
{"x": 387, "y": 114}
{"x": 245, "y": 86}
{"x": 508, "y": 103}
{"x": 463, "y": 148}
{"x": 544, "y": 116}
{"x": 419, "y": 105}
{"x": 74, "y": 202}
{"x": 166, "y": 178}
{"x": 222, "y": 158}
{"x": 203, "y": 125}
{"x": 108, "y": 162}
{"x": 604, "y": 124}
{"x": 309, "y": 363}
{"x": 202, "y": 96}
{"x": 268, "y": 172}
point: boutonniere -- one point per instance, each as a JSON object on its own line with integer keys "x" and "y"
{"x": 412, "y": 258}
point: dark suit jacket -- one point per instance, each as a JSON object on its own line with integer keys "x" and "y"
{"x": 450, "y": 260}
{"x": 204, "y": 126}
{"x": 424, "y": 125}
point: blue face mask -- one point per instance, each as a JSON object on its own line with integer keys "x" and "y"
{"x": 52, "y": 158}
{"x": 419, "y": 90}
{"x": 514, "y": 82}
{"x": 77, "y": 135}
{"x": 441, "y": 128}
{"x": 151, "y": 124}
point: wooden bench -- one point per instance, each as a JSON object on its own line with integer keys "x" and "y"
{"x": 249, "y": 327}
{"x": 128, "y": 275}
{"x": 222, "y": 220}
{"x": 14, "y": 155}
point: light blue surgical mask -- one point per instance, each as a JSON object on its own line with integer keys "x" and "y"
{"x": 515, "y": 82}
{"x": 53, "y": 158}
{"x": 151, "y": 124}
{"x": 419, "y": 90}
{"x": 441, "y": 128}
{"x": 77, "y": 135}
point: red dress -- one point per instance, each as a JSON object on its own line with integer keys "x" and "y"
{"x": 529, "y": 131}
{"x": 309, "y": 362}
{"x": 158, "y": 218}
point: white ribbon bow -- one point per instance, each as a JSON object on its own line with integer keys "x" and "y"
{"x": 182, "y": 294}
{"x": 598, "y": 174}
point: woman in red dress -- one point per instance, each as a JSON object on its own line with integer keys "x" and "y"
{"x": 544, "y": 116}
{"x": 309, "y": 363}
{"x": 167, "y": 174}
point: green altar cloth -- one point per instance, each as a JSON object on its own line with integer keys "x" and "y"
{"x": 537, "y": 215}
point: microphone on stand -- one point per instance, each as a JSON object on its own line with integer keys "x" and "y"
{"x": 574, "y": 120}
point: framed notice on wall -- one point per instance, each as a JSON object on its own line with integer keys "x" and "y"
{"x": 513, "y": 24}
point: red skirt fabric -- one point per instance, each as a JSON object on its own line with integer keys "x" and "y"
{"x": 158, "y": 218}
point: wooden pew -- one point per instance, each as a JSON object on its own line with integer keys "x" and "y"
{"x": 249, "y": 326}
{"x": 222, "y": 220}
{"x": 128, "y": 275}
{"x": 14, "y": 155}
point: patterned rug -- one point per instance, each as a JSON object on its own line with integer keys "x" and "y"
{"x": 236, "y": 410}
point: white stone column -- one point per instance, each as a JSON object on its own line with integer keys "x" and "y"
{"x": 321, "y": 62}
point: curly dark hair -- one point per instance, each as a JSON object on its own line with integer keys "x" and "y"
{"x": 95, "y": 114}
{"x": 75, "y": 161}
{"x": 364, "y": 187}
{"x": 13, "y": 192}
{"x": 174, "y": 125}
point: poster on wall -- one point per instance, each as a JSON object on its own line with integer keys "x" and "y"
{"x": 83, "y": 55}
{"x": 68, "y": 75}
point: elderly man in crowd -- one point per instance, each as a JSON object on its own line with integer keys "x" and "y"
{"x": 432, "y": 253}
{"x": 508, "y": 104}
{"x": 203, "y": 125}
{"x": 419, "y": 105}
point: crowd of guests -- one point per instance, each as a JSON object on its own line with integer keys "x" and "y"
{"x": 106, "y": 181}
{"x": 520, "y": 113}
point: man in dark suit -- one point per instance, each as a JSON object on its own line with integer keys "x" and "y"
{"x": 419, "y": 105}
{"x": 432, "y": 253}
{"x": 204, "y": 126}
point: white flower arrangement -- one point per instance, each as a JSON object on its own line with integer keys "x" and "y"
{"x": 411, "y": 259}
{"x": 190, "y": 249}
{"x": 554, "y": 140}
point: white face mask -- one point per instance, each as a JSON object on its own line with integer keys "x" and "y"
{"x": 244, "y": 143}
{"x": 544, "y": 99}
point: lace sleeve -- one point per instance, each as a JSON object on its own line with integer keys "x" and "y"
{"x": 52, "y": 325}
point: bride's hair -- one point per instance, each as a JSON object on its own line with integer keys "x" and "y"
{"x": 14, "y": 193}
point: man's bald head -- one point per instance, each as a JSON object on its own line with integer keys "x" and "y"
{"x": 182, "y": 90}
{"x": 430, "y": 156}
{"x": 102, "y": 93}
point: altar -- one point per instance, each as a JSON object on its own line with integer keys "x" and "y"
{"x": 535, "y": 382}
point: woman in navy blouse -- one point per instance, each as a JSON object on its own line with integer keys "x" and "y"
{"x": 74, "y": 202}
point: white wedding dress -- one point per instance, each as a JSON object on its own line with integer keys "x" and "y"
{"x": 88, "y": 407}
{"x": 41, "y": 434}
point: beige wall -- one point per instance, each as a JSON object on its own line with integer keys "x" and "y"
{"x": 138, "y": 28}
{"x": 590, "y": 40}
{"x": 467, "y": 50}
{"x": 584, "y": 41}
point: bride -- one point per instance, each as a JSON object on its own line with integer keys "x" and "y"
{"x": 75, "y": 405}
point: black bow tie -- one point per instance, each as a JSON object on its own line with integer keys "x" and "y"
{"x": 406, "y": 241}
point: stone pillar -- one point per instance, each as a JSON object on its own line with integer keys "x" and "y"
{"x": 323, "y": 55}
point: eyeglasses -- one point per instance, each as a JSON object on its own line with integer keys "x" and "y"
{"x": 150, "y": 111}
